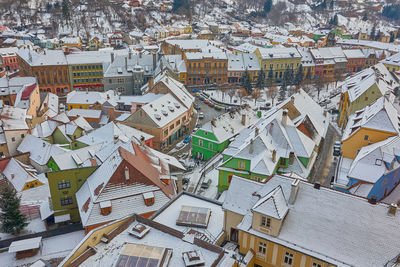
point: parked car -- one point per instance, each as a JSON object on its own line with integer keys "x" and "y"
{"x": 187, "y": 139}
{"x": 218, "y": 107}
{"x": 201, "y": 98}
{"x": 201, "y": 115}
{"x": 179, "y": 145}
{"x": 337, "y": 148}
{"x": 210, "y": 104}
{"x": 185, "y": 180}
{"x": 195, "y": 129}
{"x": 196, "y": 106}
{"x": 195, "y": 90}
{"x": 206, "y": 184}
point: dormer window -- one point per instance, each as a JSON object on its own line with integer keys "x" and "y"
{"x": 266, "y": 222}
{"x": 148, "y": 198}
{"x": 105, "y": 207}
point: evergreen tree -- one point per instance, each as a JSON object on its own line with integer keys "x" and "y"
{"x": 270, "y": 75}
{"x": 308, "y": 75}
{"x": 65, "y": 9}
{"x": 282, "y": 91}
{"x": 246, "y": 82}
{"x": 299, "y": 76}
{"x": 12, "y": 220}
{"x": 334, "y": 20}
{"x": 260, "y": 79}
{"x": 391, "y": 37}
{"x": 323, "y": 5}
{"x": 267, "y": 6}
{"x": 372, "y": 36}
{"x": 185, "y": 4}
{"x": 365, "y": 18}
{"x": 378, "y": 35}
{"x": 331, "y": 4}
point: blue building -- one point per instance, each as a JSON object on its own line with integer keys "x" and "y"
{"x": 375, "y": 171}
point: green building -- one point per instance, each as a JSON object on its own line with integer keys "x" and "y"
{"x": 63, "y": 186}
{"x": 65, "y": 134}
{"x": 214, "y": 136}
{"x": 273, "y": 145}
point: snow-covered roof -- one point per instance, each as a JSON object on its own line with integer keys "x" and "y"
{"x": 242, "y": 62}
{"x": 25, "y": 244}
{"x": 125, "y": 195}
{"x": 76, "y": 158}
{"x": 13, "y": 118}
{"x": 380, "y": 115}
{"x": 274, "y": 53}
{"x": 18, "y": 174}
{"x": 372, "y": 161}
{"x": 39, "y": 150}
{"x": 354, "y": 53}
{"x": 86, "y": 113}
{"x": 323, "y": 223}
{"x": 228, "y": 124}
{"x": 47, "y": 58}
{"x": 164, "y": 110}
{"x": 205, "y": 55}
{"x": 168, "y": 214}
{"x": 108, "y": 254}
{"x": 373, "y": 44}
{"x": 360, "y": 82}
{"x": 392, "y": 60}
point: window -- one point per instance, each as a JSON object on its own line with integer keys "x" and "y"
{"x": 262, "y": 247}
{"x": 22, "y": 135}
{"x": 210, "y": 145}
{"x": 171, "y": 127}
{"x": 13, "y": 139}
{"x": 64, "y": 184}
{"x": 65, "y": 201}
{"x": 166, "y": 132}
{"x": 288, "y": 258}
{"x": 366, "y": 137}
{"x": 266, "y": 222}
{"x": 242, "y": 164}
{"x": 200, "y": 142}
{"x": 314, "y": 264}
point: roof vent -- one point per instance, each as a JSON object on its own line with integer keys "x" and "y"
{"x": 193, "y": 258}
{"x": 164, "y": 112}
{"x": 139, "y": 230}
{"x": 157, "y": 116}
{"x": 392, "y": 209}
{"x": 317, "y": 185}
{"x": 126, "y": 173}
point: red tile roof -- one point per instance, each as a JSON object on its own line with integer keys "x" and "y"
{"x": 28, "y": 91}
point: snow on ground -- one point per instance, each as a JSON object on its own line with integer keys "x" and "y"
{"x": 212, "y": 191}
{"x": 34, "y": 226}
{"x": 52, "y": 247}
{"x": 223, "y": 97}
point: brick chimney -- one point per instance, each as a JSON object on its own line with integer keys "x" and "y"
{"x": 284, "y": 117}
{"x": 251, "y": 149}
{"x": 293, "y": 191}
{"x": 392, "y": 209}
{"x": 244, "y": 119}
{"x": 274, "y": 155}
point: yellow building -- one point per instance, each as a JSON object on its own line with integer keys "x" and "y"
{"x": 288, "y": 222}
{"x": 71, "y": 41}
{"x": 21, "y": 176}
{"x": 363, "y": 89}
{"x": 392, "y": 63}
{"x": 278, "y": 59}
{"x": 94, "y": 44}
{"x": 370, "y": 125}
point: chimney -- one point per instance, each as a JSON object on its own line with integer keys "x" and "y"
{"x": 271, "y": 127}
{"x": 291, "y": 158}
{"x": 292, "y": 99}
{"x": 284, "y": 117}
{"x": 274, "y": 155}
{"x": 244, "y": 119}
{"x": 214, "y": 122}
{"x": 126, "y": 173}
{"x": 251, "y": 146}
{"x": 130, "y": 54}
{"x": 112, "y": 57}
{"x": 154, "y": 61}
{"x": 151, "y": 83}
{"x": 115, "y": 139}
{"x": 126, "y": 63}
{"x": 373, "y": 200}
{"x": 317, "y": 185}
{"x": 293, "y": 191}
{"x": 257, "y": 131}
{"x": 392, "y": 209}
{"x": 324, "y": 113}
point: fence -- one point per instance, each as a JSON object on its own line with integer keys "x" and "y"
{"x": 59, "y": 231}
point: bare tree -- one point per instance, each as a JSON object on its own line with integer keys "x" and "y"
{"x": 319, "y": 84}
{"x": 256, "y": 94}
{"x": 231, "y": 93}
{"x": 241, "y": 94}
{"x": 338, "y": 75}
{"x": 272, "y": 93}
